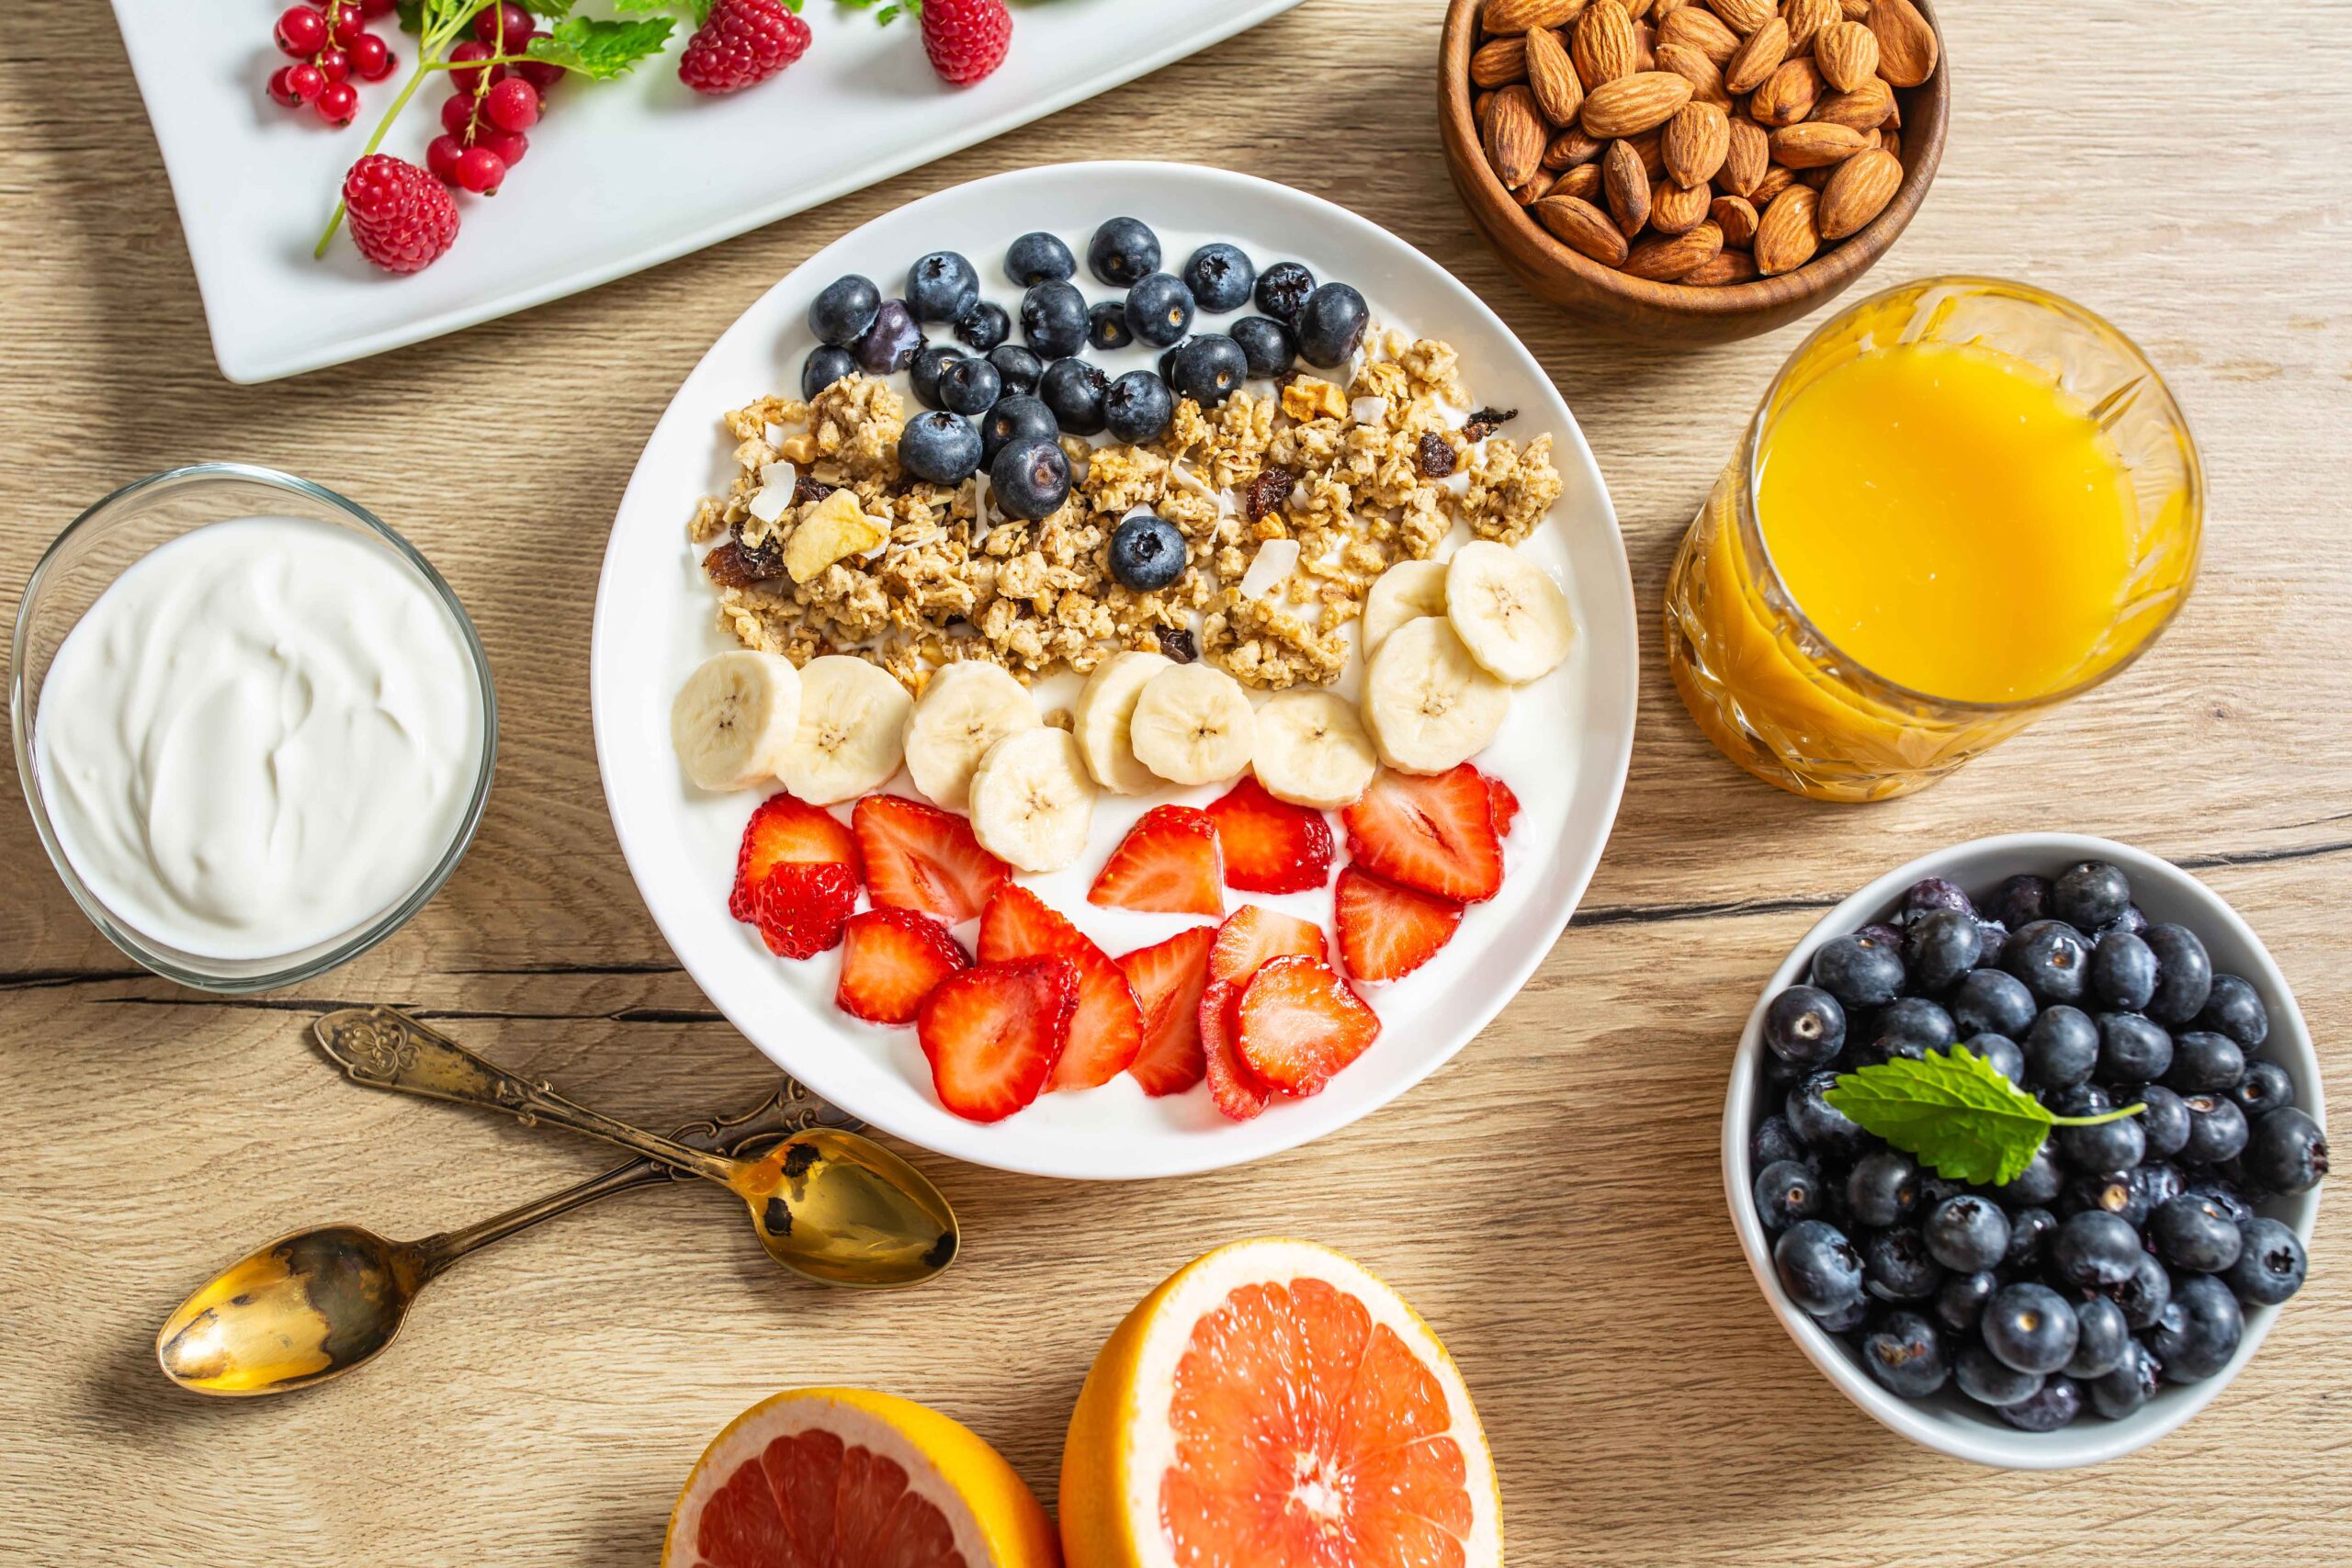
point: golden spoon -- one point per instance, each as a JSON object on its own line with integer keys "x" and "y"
{"x": 312, "y": 1306}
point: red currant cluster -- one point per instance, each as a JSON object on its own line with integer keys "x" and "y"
{"x": 490, "y": 108}
{"x": 330, "y": 45}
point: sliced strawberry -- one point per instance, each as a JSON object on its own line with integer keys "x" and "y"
{"x": 1436, "y": 834}
{"x": 787, "y": 830}
{"x": 890, "y": 961}
{"x": 1238, "y": 1092}
{"x": 1298, "y": 1023}
{"x": 993, "y": 1034}
{"x": 1388, "y": 932}
{"x": 1168, "y": 862}
{"x": 1254, "y": 933}
{"x": 1271, "y": 846}
{"x": 1108, "y": 1029}
{"x": 1506, "y": 806}
{"x": 800, "y": 907}
{"x": 919, "y": 857}
{"x": 1167, "y": 979}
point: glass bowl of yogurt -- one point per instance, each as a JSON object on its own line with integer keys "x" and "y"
{"x": 254, "y": 727}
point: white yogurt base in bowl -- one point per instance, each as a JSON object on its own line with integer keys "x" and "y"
{"x": 254, "y": 727}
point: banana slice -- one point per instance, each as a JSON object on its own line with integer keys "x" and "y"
{"x": 1032, "y": 804}
{"x": 853, "y": 717}
{"x": 1312, "y": 750}
{"x": 1105, "y": 706}
{"x": 1427, "y": 702}
{"x": 1406, "y": 591}
{"x": 1507, "y": 611}
{"x": 1193, "y": 725}
{"x": 734, "y": 718}
{"x": 965, "y": 709}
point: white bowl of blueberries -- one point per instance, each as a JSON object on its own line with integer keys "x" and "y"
{"x": 2024, "y": 1144}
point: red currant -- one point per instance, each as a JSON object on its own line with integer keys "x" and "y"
{"x": 347, "y": 23}
{"x": 468, "y": 80}
{"x": 458, "y": 115}
{"x": 370, "y": 61}
{"x": 480, "y": 171}
{"x": 539, "y": 73}
{"x": 510, "y": 145}
{"x": 281, "y": 87}
{"x": 335, "y": 65}
{"x": 441, "y": 155}
{"x": 307, "y": 82}
{"x": 512, "y": 19}
{"x": 301, "y": 31}
{"x": 512, "y": 106}
{"x": 338, "y": 103}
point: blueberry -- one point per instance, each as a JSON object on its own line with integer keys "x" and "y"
{"x": 1994, "y": 938}
{"x": 2184, "y": 973}
{"x": 2132, "y": 1049}
{"x": 2133, "y": 919}
{"x": 1166, "y": 365}
{"x": 1220, "y": 277}
{"x": 1282, "y": 289}
{"x": 2194, "y": 1234}
{"x": 1906, "y": 1354}
{"x": 1159, "y": 310}
{"x": 1123, "y": 250}
{"x": 1038, "y": 258}
{"x": 1847, "y": 1318}
{"x": 1074, "y": 389}
{"x": 1147, "y": 552}
{"x": 970, "y": 385}
{"x": 1967, "y": 1232}
{"x": 1933, "y": 1189}
{"x": 2094, "y": 1250}
{"x": 1785, "y": 1193}
{"x": 2062, "y": 1047}
{"x": 2199, "y": 1330}
{"x": 1053, "y": 320}
{"x": 1960, "y": 1301}
{"x": 1138, "y": 407}
{"x": 1012, "y": 419}
{"x": 2103, "y": 1148}
{"x": 2131, "y": 1385}
{"x": 2286, "y": 1151}
{"x": 1106, "y": 326}
{"x": 2234, "y": 1008}
{"x": 2265, "y": 1087}
{"x": 1928, "y": 895}
{"x": 2019, "y": 901}
{"x": 983, "y": 327}
{"x": 891, "y": 342}
{"x": 1883, "y": 931}
{"x": 2001, "y": 1053}
{"x": 1860, "y": 971}
{"x": 2270, "y": 1265}
{"x": 2163, "y": 1120}
{"x": 1018, "y": 368}
{"x": 2123, "y": 972}
{"x": 1819, "y": 1122}
{"x": 1331, "y": 325}
{"x": 2102, "y": 1339}
{"x": 825, "y": 365}
{"x": 1882, "y": 1188}
{"x": 1992, "y": 1002}
{"x": 2090, "y": 893}
{"x": 2078, "y": 1100}
{"x": 928, "y": 365}
{"x": 2205, "y": 1062}
{"x": 1941, "y": 945}
{"x": 941, "y": 287}
{"x": 1029, "y": 478}
{"x": 2130, "y": 1195}
{"x": 1775, "y": 1140}
{"x": 1208, "y": 369}
{"x": 1897, "y": 1268}
{"x": 1267, "y": 346}
{"x": 2227, "y": 1196}
{"x": 843, "y": 309}
{"x": 2217, "y": 1129}
{"x": 1818, "y": 1266}
{"x": 1987, "y": 1380}
{"x": 2036, "y": 1186}
{"x": 2057, "y": 1402}
{"x": 2052, "y": 958}
{"x": 2029, "y": 1229}
{"x": 940, "y": 446}
{"x": 1908, "y": 1026}
{"x": 2143, "y": 1296}
{"x": 2029, "y": 1327}
{"x": 1805, "y": 1025}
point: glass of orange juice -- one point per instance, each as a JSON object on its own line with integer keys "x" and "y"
{"x": 1962, "y": 502}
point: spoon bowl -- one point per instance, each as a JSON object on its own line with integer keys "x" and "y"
{"x": 840, "y": 1208}
{"x": 297, "y": 1311}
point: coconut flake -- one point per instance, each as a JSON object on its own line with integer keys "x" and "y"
{"x": 770, "y": 502}
{"x": 1369, "y": 411}
{"x": 1275, "y": 561}
{"x": 774, "y": 433}
{"x": 774, "y": 474}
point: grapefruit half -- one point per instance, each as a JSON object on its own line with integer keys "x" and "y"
{"x": 1274, "y": 1405}
{"x": 845, "y": 1478}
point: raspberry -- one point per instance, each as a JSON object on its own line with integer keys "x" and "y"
{"x": 401, "y": 218}
{"x": 745, "y": 41}
{"x": 966, "y": 38}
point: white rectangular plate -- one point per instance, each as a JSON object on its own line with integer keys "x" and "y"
{"x": 620, "y": 176}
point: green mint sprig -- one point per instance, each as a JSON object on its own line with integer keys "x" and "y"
{"x": 1953, "y": 1110}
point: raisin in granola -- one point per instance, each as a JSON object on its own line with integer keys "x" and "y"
{"x": 1434, "y": 456}
{"x": 1485, "y": 421}
{"x": 1267, "y": 490}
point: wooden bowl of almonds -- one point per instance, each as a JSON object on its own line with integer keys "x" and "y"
{"x": 1691, "y": 170}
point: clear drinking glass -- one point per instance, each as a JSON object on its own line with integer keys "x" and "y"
{"x": 83, "y": 562}
{"x": 1777, "y": 697}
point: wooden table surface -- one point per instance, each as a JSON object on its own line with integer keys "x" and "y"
{"x": 1550, "y": 1202}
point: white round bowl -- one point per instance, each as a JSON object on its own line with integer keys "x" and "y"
{"x": 1949, "y": 1422}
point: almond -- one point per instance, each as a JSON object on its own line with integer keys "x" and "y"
{"x": 1499, "y": 63}
{"x": 1848, "y": 55}
{"x": 1906, "y": 42}
{"x": 1706, "y": 82}
{"x": 1855, "y": 10}
{"x": 1694, "y": 142}
{"x": 1776, "y": 178}
{"x": 1627, "y": 187}
{"x": 1891, "y": 143}
{"x": 1662, "y": 261}
{"x": 1866, "y": 107}
{"x": 1603, "y": 46}
{"x": 1501, "y": 17}
{"x": 1785, "y": 235}
{"x": 1807, "y": 18}
{"x": 1650, "y": 148}
{"x": 1582, "y": 182}
{"x": 1744, "y": 16}
{"x": 1645, "y": 47}
{"x": 1729, "y": 266}
{"x": 1636, "y": 9}
{"x": 1552, "y": 76}
{"x": 1702, "y": 31}
{"x": 1661, "y": 10}
{"x": 1815, "y": 144}
{"x": 1747, "y": 157}
{"x": 1734, "y": 217}
{"x": 1573, "y": 149}
{"x": 1786, "y": 96}
{"x": 1678, "y": 209}
{"x": 1757, "y": 57}
{"x": 1582, "y": 227}
{"x": 1515, "y": 135}
{"x": 1630, "y": 104}
{"x": 1858, "y": 192}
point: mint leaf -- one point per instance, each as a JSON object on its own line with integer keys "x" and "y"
{"x": 698, "y": 9}
{"x": 1955, "y": 1112}
{"x": 600, "y": 50}
{"x": 557, "y": 9}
